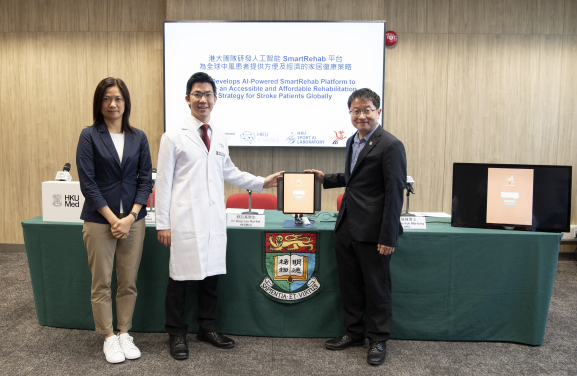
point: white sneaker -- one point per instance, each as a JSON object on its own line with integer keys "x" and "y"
{"x": 128, "y": 347}
{"x": 112, "y": 350}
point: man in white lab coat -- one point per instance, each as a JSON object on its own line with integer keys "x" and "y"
{"x": 193, "y": 163}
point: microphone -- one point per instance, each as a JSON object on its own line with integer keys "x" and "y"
{"x": 410, "y": 183}
{"x": 64, "y": 175}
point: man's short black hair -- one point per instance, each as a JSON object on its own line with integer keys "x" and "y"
{"x": 199, "y": 77}
{"x": 365, "y": 95}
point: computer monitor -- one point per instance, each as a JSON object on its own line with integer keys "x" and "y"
{"x": 512, "y": 196}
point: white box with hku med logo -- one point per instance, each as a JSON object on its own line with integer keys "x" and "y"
{"x": 62, "y": 201}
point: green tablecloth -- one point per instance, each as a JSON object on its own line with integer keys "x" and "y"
{"x": 449, "y": 283}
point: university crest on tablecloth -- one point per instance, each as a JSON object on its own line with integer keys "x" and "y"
{"x": 290, "y": 259}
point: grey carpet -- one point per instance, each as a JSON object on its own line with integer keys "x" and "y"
{"x": 27, "y": 348}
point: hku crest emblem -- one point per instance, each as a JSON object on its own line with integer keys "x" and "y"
{"x": 290, "y": 259}
{"x": 57, "y": 200}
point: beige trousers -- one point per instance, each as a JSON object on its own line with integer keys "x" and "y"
{"x": 101, "y": 246}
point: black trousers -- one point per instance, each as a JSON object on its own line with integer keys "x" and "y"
{"x": 365, "y": 282}
{"x": 176, "y": 301}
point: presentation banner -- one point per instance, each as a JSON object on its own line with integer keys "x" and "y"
{"x": 278, "y": 83}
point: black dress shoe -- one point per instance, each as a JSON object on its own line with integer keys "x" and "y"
{"x": 342, "y": 342}
{"x": 377, "y": 352}
{"x": 178, "y": 347}
{"x": 216, "y": 339}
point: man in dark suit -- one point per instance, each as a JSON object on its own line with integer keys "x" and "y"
{"x": 368, "y": 225}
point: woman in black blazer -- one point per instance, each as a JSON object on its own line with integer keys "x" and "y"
{"x": 115, "y": 172}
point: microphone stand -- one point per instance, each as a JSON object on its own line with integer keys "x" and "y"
{"x": 249, "y": 202}
{"x": 410, "y": 190}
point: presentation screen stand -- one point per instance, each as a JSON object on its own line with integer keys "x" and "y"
{"x": 298, "y": 193}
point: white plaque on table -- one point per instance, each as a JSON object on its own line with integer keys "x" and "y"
{"x": 62, "y": 201}
{"x": 244, "y": 220}
{"x": 414, "y": 223}
{"x": 150, "y": 218}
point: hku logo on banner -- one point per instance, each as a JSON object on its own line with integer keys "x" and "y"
{"x": 290, "y": 260}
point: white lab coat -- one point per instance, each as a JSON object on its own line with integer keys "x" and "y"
{"x": 190, "y": 199}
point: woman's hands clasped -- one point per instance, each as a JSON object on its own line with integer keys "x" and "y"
{"x": 121, "y": 228}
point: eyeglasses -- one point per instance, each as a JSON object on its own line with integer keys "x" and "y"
{"x": 198, "y": 95}
{"x": 366, "y": 112}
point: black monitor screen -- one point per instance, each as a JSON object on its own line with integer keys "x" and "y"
{"x": 519, "y": 197}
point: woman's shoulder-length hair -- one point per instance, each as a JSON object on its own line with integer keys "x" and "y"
{"x": 99, "y": 95}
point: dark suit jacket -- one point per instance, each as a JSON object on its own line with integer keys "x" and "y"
{"x": 373, "y": 198}
{"x": 102, "y": 179}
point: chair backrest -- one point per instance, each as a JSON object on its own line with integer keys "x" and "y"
{"x": 265, "y": 201}
{"x": 339, "y": 200}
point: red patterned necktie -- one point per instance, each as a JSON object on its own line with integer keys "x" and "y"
{"x": 204, "y": 136}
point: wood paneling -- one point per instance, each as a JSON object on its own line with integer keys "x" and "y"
{"x": 216, "y": 10}
{"x": 568, "y": 248}
{"x": 333, "y": 10}
{"x": 181, "y": 10}
{"x": 538, "y": 132}
{"x": 262, "y": 10}
{"x": 137, "y": 59}
{"x": 415, "y": 110}
{"x": 503, "y": 101}
{"x": 46, "y": 101}
{"x": 438, "y": 16}
{"x": 532, "y": 17}
{"x": 5, "y": 222}
{"x": 468, "y": 81}
{"x": 472, "y": 16}
{"x": 55, "y": 15}
{"x": 64, "y": 82}
{"x": 507, "y": 16}
{"x": 551, "y": 14}
{"x": 403, "y": 16}
{"x": 83, "y": 15}
{"x": 406, "y": 16}
{"x": 265, "y": 10}
{"x": 136, "y": 15}
{"x": 15, "y": 15}
{"x": 567, "y": 146}
{"x": 570, "y": 13}
{"x": 20, "y": 131}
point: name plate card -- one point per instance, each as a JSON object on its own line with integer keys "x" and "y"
{"x": 150, "y": 218}
{"x": 414, "y": 223}
{"x": 244, "y": 220}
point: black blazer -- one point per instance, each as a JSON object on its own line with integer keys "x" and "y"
{"x": 373, "y": 198}
{"x": 102, "y": 179}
